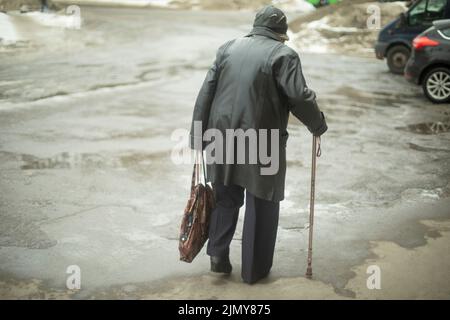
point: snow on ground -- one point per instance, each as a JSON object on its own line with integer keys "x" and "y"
{"x": 287, "y": 5}
{"x": 294, "y": 5}
{"x": 322, "y": 24}
{"x": 311, "y": 38}
{"x": 25, "y": 29}
{"x": 131, "y": 3}
{"x": 343, "y": 29}
{"x": 160, "y": 3}
{"x": 8, "y": 33}
{"x": 70, "y": 21}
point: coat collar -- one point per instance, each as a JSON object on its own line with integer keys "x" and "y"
{"x": 264, "y": 31}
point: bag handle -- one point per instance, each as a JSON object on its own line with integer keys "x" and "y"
{"x": 196, "y": 171}
{"x": 204, "y": 169}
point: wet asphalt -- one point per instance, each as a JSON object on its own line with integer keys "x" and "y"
{"x": 86, "y": 177}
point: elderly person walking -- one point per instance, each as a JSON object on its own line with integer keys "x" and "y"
{"x": 254, "y": 84}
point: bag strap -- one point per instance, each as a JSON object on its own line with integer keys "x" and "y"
{"x": 196, "y": 172}
{"x": 204, "y": 169}
{"x": 195, "y": 177}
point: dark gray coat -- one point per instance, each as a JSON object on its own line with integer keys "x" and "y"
{"x": 254, "y": 83}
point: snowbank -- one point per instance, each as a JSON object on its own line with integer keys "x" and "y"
{"x": 127, "y": 3}
{"x": 342, "y": 28}
{"x": 72, "y": 21}
{"x": 21, "y": 30}
{"x": 8, "y": 33}
{"x": 287, "y": 5}
{"x": 10, "y": 5}
{"x": 294, "y": 5}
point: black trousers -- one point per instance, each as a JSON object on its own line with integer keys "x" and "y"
{"x": 259, "y": 234}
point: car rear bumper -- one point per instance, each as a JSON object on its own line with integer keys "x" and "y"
{"x": 417, "y": 64}
{"x": 380, "y": 49}
{"x": 412, "y": 71}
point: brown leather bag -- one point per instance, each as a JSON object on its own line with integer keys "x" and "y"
{"x": 195, "y": 222}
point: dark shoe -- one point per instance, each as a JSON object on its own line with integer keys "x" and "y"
{"x": 221, "y": 265}
{"x": 255, "y": 279}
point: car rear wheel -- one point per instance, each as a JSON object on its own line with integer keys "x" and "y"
{"x": 436, "y": 85}
{"x": 397, "y": 57}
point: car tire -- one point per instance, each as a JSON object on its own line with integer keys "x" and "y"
{"x": 397, "y": 57}
{"x": 436, "y": 85}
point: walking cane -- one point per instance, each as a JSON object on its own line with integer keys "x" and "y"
{"x": 315, "y": 154}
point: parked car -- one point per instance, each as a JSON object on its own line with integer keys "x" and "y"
{"x": 429, "y": 64}
{"x": 395, "y": 39}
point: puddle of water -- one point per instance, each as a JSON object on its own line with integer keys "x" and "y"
{"x": 360, "y": 98}
{"x": 64, "y": 160}
{"x": 428, "y": 127}
{"x": 416, "y": 147}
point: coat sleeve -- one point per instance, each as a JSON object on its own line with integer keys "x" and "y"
{"x": 203, "y": 104}
{"x": 301, "y": 100}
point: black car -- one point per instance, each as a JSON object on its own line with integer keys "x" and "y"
{"x": 429, "y": 64}
{"x": 394, "y": 40}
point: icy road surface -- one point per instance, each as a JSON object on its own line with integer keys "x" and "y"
{"x": 86, "y": 178}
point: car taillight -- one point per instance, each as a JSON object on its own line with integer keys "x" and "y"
{"x": 422, "y": 42}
